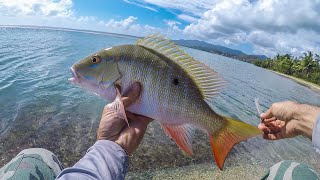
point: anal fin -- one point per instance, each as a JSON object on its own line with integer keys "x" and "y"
{"x": 182, "y": 135}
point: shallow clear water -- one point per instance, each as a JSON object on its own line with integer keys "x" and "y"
{"x": 40, "y": 108}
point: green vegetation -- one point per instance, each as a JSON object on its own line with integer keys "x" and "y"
{"x": 306, "y": 67}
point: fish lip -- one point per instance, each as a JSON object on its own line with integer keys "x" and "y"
{"x": 75, "y": 76}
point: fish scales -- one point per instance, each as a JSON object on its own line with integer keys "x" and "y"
{"x": 163, "y": 100}
{"x": 176, "y": 90}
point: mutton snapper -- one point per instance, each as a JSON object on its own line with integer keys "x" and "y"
{"x": 176, "y": 89}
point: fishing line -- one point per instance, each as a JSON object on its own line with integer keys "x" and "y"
{"x": 258, "y": 107}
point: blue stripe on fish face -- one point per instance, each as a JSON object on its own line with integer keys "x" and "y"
{"x": 93, "y": 65}
{"x": 89, "y": 77}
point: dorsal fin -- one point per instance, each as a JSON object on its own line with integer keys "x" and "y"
{"x": 207, "y": 80}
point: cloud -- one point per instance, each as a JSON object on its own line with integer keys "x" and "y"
{"x": 191, "y": 8}
{"x": 140, "y": 5}
{"x": 54, "y": 13}
{"x": 281, "y": 42}
{"x": 173, "y": 29}
{"x": 47, "y": 8}
{"x": 122, "y": 24}
{"x": 59, "y": 13}
{"x": 171, "y": 23}
{"x": 129, "y": 26}
{"x": 86, "y": 19}
{"x": 270, "y": 25}
{"x": 187, "y": 18}
{"x": 195, "y": 7}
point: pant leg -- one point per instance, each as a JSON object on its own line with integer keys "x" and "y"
{"x": 291, "y": 170}
{"x": 34, "y": 163}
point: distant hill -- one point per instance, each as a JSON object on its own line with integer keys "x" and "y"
{"x": 221, "y": 50}
{"x": 201, "y": 45}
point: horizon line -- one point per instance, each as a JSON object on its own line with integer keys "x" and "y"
{"x": 68, "y": 29}
{"x": 101, "y": 33}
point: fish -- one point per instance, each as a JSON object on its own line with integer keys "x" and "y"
{"x": 176, "y": 91}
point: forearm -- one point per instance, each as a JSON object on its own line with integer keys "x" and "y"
{"x": 104, "y": 160}
{"x": 307, "y": 116}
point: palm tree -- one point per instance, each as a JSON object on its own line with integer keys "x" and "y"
{"x": 308, "y": 63}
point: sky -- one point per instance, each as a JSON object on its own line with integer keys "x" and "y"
{"x": 264, "y": 27}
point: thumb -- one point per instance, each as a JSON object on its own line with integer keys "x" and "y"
{"x": 267, "y": 115}
{"x": 131, "y": 95}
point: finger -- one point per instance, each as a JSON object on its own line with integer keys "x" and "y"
{"x": 278, "y": 123}
{"x": 131, "y": 137}
{"x": 270, "y": 127}
{"x": 140, "y": 125}
{"x": 270, "y": 120}
{"x": 132, "y": 94}
{"x": 144, "y": 119}
{"x": 275, "y": 136}
{"x": 275, "y": 126}
{"x": 264, "y": 128}
{"x": 129, "y": 97}
{"x": 267, "y": 115}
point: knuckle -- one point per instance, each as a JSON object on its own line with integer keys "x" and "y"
{"x": 106, "y": 107}
{"x": 290, "y": 103}
{"x": 274, "y": 106}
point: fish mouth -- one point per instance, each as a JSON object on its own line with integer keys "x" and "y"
{"x": 75, "y": 76}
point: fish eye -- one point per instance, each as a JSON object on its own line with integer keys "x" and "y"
{"x": 175, "y": 81}
{"x": 95, "y": 59}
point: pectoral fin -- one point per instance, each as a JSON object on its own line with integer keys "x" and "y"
{"x": 181, "y": 134}
{"x": 117, "y": 107}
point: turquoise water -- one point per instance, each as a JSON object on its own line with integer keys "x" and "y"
{"x": 40, "y": 108}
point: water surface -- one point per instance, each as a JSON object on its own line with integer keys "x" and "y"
{"x": 40, "y": 108}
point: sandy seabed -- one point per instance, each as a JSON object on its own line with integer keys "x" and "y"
{"x": 44, "y": 125}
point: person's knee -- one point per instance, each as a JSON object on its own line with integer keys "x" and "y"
{"x": 288, "y": 169}
{"x": 44, "y": 155}
{"x": 39, "y": 151}
{"x": 33, "y": 162}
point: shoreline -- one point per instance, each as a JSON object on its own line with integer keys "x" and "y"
{"x": 310, "y": 85}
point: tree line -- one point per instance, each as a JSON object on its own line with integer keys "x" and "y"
{"x": 306, "y": 67}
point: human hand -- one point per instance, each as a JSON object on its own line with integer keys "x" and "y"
{"x": 114, "y": 128}
{"x": 288, "y": 119}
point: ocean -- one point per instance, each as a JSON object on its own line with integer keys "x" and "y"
{"x": 40, "y": 108}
